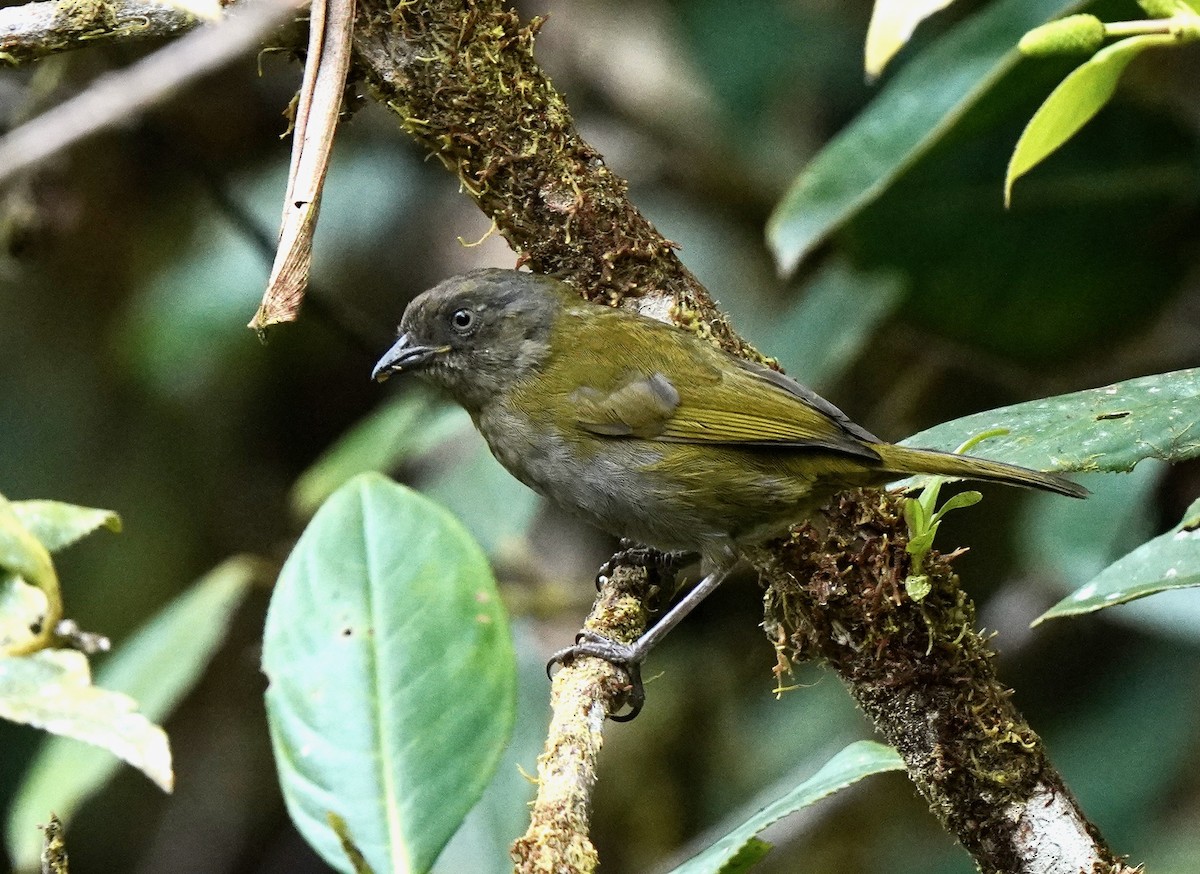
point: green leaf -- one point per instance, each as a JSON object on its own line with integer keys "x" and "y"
{"x": 1191, "y": 519}
{"x": 156, "y": 667}
{"x": 860, "y": 759}
{"x": 1073, "y": 103}
{"x": 751, "y": 853}
{"x": 962, "y": 499}
{"x": 58, "y": 525}
{"x": 404, "y": 425}
{"x": 1101, "y": 429}
{"x": 918, "y": 586}
{"x": 915, "y": 110}
{"x": 391, "y": 675}
{"x": 52, "y": 689}
{"x": 1169, "y": 561}
{"x": 22, "y": 608}
{"x": 892, "y": 24}
{"x": 22, "y": 555}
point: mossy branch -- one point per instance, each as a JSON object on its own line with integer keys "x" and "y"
{"x": 36, "y": 30}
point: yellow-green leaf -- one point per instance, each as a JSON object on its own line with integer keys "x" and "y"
{"x": 58, "y": 525}
{"x": 52, "y": 689}
{"x": 1073, "y": 103}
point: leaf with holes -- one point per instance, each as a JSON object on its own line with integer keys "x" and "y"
{"x": 392, "y": 677}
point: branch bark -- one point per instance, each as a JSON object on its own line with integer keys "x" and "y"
{"x": 47, "y": 27}
{"x": 120, "y": 95}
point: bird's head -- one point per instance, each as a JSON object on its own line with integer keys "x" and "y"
{"x": 476, "y": 334}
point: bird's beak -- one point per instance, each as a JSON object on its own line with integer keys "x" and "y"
{"x": 405, "y": 355}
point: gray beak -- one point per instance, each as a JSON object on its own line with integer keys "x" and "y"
{"x": 405, "y": 355}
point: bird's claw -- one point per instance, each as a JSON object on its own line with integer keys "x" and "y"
{"x": 647, "y": 557}
{"x": 625, "y": 656}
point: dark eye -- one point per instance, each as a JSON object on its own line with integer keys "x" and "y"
{"x": 463, "y": 320}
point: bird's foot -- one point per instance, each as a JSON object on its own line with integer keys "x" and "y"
{"x": 626, "y": 656}
{"x": 654, "y": 560}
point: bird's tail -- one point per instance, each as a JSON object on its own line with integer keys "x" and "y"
{"x": 903, "y": 460}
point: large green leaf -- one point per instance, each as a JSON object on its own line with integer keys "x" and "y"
{"x": 58, "y": 525}
{"x": 860, "y": 759}
{"x": 156, "y": 667}
{"x": 391, "y": 675}
{"x": 1102, "y": 429}
{"x": 1073, "y": 103}
{"x": 1169, "y": 561}
{"x": 913, "y": 112}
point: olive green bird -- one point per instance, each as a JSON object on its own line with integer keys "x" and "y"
{"x": 646, "y": 430}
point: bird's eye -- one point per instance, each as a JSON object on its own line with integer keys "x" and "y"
{"x": 463, "y": 320}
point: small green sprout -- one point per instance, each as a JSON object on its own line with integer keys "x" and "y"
{"x": 923, "y": 519}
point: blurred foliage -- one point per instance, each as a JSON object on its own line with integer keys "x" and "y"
{"x": 128, "y": 380}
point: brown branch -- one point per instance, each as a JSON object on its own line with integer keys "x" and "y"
{"x": 36, "y": 30}
{"x": 583, "y": 694}
{"x": 924, "y": 675}
{"x": 119, "y": 96}
{"x": 462, "y": 78}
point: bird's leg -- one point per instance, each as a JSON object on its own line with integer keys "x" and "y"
{"x": 629, "y": 656}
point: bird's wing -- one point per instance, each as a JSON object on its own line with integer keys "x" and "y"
{"x": 745, "y": 405}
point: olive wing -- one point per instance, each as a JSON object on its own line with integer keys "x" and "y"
{"x": 726, "y": 402}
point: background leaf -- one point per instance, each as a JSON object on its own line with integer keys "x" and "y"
{"x": 58, "y": 525}
{"x": 391, "y": 675}
{"x": 860, "y": 759}
{"x": 1169, "y": 561}
{"x": 1073, "y": 103}
{"x": 405, "y": 425}
{"x": 156, "y": 667}
{"x": 913, "y": 112}
{"x": 52, "y": 689}
{"x": 1102, "y": 429}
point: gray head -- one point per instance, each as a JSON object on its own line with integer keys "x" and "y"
{"x": 476, "y": 333}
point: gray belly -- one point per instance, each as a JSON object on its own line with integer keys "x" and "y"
{"x": 602, "y": 487}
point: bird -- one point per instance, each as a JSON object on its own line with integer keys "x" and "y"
{"x": 647, "y": 430}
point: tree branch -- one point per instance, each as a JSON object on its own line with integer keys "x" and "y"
{"x": 118, "y": 96}
{"x": 463, "y": 81}
{"x": 583, "y": 694}
{"x": 924, "y": 675}
{"x": 36, "y": 30}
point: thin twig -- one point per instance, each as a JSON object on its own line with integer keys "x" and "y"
{"x": 317, "y": 111}
{"x": 584, "y": 693}
{"x": 117, "y": 97}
